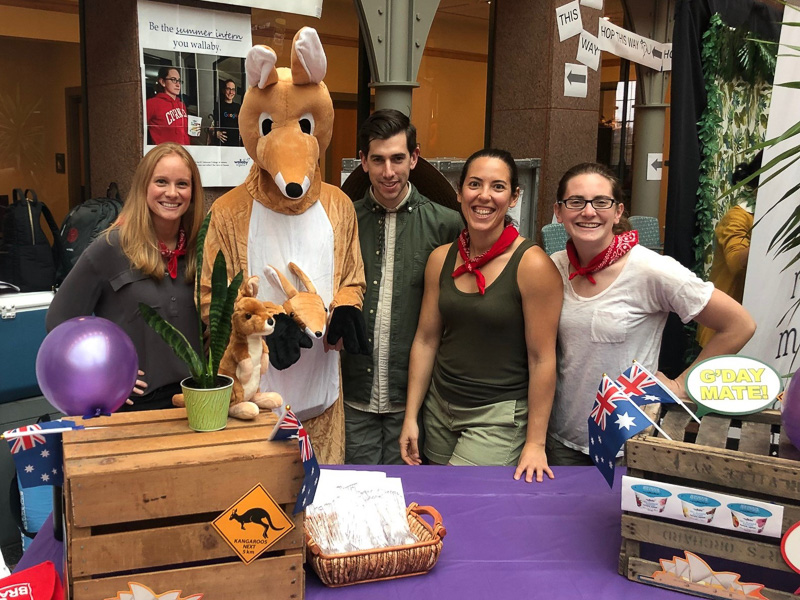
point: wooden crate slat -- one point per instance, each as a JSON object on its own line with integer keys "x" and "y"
{"x": 675, "y": 422}
{"x": 713, "y": 431}
{"x": 199, "y": 455}
{"x": 755, "y": 438}
{"x": 158, "y": 547}
{"x": 275, "y": 577}
{"x": 164, "y": 440}
{"x": 133, "y": 426}
{"x": 735, "y": 470}
{"x": 157, "y": 493}
{"x": 704, "y": 543}
{"x": 639, "y": 569}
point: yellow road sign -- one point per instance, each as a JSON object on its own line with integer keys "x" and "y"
{"x": 253, "y": 524}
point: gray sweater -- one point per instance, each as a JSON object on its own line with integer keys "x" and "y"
{"x": 103, "y": 283}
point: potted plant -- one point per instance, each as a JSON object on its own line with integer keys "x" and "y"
{"x": 207, "y": 394}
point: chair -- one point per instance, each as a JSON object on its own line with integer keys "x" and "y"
{"x": 649, "y": 231}
{"x": 554, "y": 237}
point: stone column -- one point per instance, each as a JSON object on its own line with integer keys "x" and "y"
{"x": 530, "y": 116}
{"x": 113, "y": 93}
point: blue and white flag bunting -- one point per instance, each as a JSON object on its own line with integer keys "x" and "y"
{"x": 38, "y": 452}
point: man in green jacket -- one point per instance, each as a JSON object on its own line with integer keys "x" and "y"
{"x": 398, "y": 228}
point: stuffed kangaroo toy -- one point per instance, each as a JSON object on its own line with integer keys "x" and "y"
{"x": 284, "y": 213}
{"x": 246, "y": 358}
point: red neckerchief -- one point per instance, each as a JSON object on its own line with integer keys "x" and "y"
{"x": 472, "y": 265}
{"x": 619, "y": 247}
{"x": 171, "y": 256}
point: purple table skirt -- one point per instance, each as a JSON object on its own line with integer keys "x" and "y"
{"x": 505, "y": 538}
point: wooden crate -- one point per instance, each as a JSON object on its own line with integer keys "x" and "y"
{"x": 141, "y": 493}
{"x": 745, "y": 456}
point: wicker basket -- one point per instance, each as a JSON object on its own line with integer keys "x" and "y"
{"x": 383, "y": 563}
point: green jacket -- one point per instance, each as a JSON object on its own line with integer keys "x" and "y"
{"x": 422, "y": 225}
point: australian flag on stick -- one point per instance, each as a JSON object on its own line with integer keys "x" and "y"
{"x": 645, "y": 388}
{"x": 38, "y": 453}
{"x": 614, "y": 418}
{"x": 289, "y": 426}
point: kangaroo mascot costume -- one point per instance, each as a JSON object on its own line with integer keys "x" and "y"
{"x": 283, "y": 213}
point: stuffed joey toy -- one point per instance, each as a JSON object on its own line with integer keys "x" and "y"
{"x": 283, "y": 213}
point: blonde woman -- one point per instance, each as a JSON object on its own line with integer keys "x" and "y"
{"x": 147, "y": 255}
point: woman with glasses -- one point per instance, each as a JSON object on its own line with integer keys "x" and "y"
{"x": 617, "y": 295}
{"x": 167, "y": 120}
{"x": 482, "y": 364}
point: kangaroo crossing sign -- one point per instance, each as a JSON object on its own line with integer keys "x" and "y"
{"x": 253, "y": 524}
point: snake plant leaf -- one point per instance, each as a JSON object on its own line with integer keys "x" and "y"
{"x": 220, "y": 310}
{"x": 224, "y": 327}
{"x": 174, "y": 339}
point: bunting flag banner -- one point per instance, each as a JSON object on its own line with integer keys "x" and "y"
{"x": 645, "y": 388}
{"x": 287, "y": 427}
{"x": 614, "y": 418}
{"x": 37, "y": 452}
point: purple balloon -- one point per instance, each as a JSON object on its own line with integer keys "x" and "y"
{"x": 790, "y": 415}
{"x": 87, "y": 366}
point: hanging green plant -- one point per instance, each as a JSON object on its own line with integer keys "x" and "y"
{"x": 737, "y": 72}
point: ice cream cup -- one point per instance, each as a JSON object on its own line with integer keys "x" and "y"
{"x": 651, "y": 498}
{"x": 747, "y": 517}
{"x": 698, "y": 508}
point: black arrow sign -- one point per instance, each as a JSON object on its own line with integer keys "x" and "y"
{"x": 575, "y": 78}
{"x": 657, "y": 164}
{"x": 657, "y": 53}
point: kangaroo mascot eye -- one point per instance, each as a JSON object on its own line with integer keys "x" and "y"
{"x": 265, "y": 123}
{"x": 307, "y": 124}
{"x": 286, "y": 217}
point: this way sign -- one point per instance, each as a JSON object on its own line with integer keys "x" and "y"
{"x": 575, "y": 77}
{"x": 655, "y": 164}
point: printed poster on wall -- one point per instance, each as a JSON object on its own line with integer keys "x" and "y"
{"x": 193, "y": 80}
{"x": 772, "y": 285}
{"x": 630, "y": 45}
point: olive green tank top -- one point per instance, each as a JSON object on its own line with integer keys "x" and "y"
{"x": 482, "y": 357}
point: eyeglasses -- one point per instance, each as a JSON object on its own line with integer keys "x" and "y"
{"x": 578, "y": 203}
{"x": 227, "y": 89}
{"x": 173, "y": 80}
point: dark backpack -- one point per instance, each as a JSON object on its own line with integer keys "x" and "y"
{"x": 84, "y": 223}
{"x": 26, "y": 258}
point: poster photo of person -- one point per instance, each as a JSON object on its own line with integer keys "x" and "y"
{"x": 193, "y": 80}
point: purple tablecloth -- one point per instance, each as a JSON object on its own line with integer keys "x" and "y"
{"x": 505, "y": 539}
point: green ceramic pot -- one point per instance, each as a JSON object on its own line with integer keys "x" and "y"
{"x": 207, "y": 409}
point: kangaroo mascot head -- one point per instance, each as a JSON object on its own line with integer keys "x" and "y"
{"x": 286, "y": 123}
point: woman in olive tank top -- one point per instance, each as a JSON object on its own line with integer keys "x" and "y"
{"x": 483, "y": 362}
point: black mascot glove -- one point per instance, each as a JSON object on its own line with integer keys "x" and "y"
{"x": 285, "y": 342}
{"x": 348, "y": 322}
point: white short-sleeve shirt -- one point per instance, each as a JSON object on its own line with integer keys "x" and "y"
{"x": 605, "y": 333}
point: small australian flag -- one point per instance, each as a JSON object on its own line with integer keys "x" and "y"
{"x": 289, "y": 426}
{"x": 38, "y": 453}
{"x": 613, "y": 419}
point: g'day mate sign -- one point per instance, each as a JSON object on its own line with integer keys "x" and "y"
{"x": 732, "y": 385}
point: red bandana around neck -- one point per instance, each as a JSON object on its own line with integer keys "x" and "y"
{"x": 171, "y": 256}
{"x": 472, "y": 265}
{"x": 619, "y": 247}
